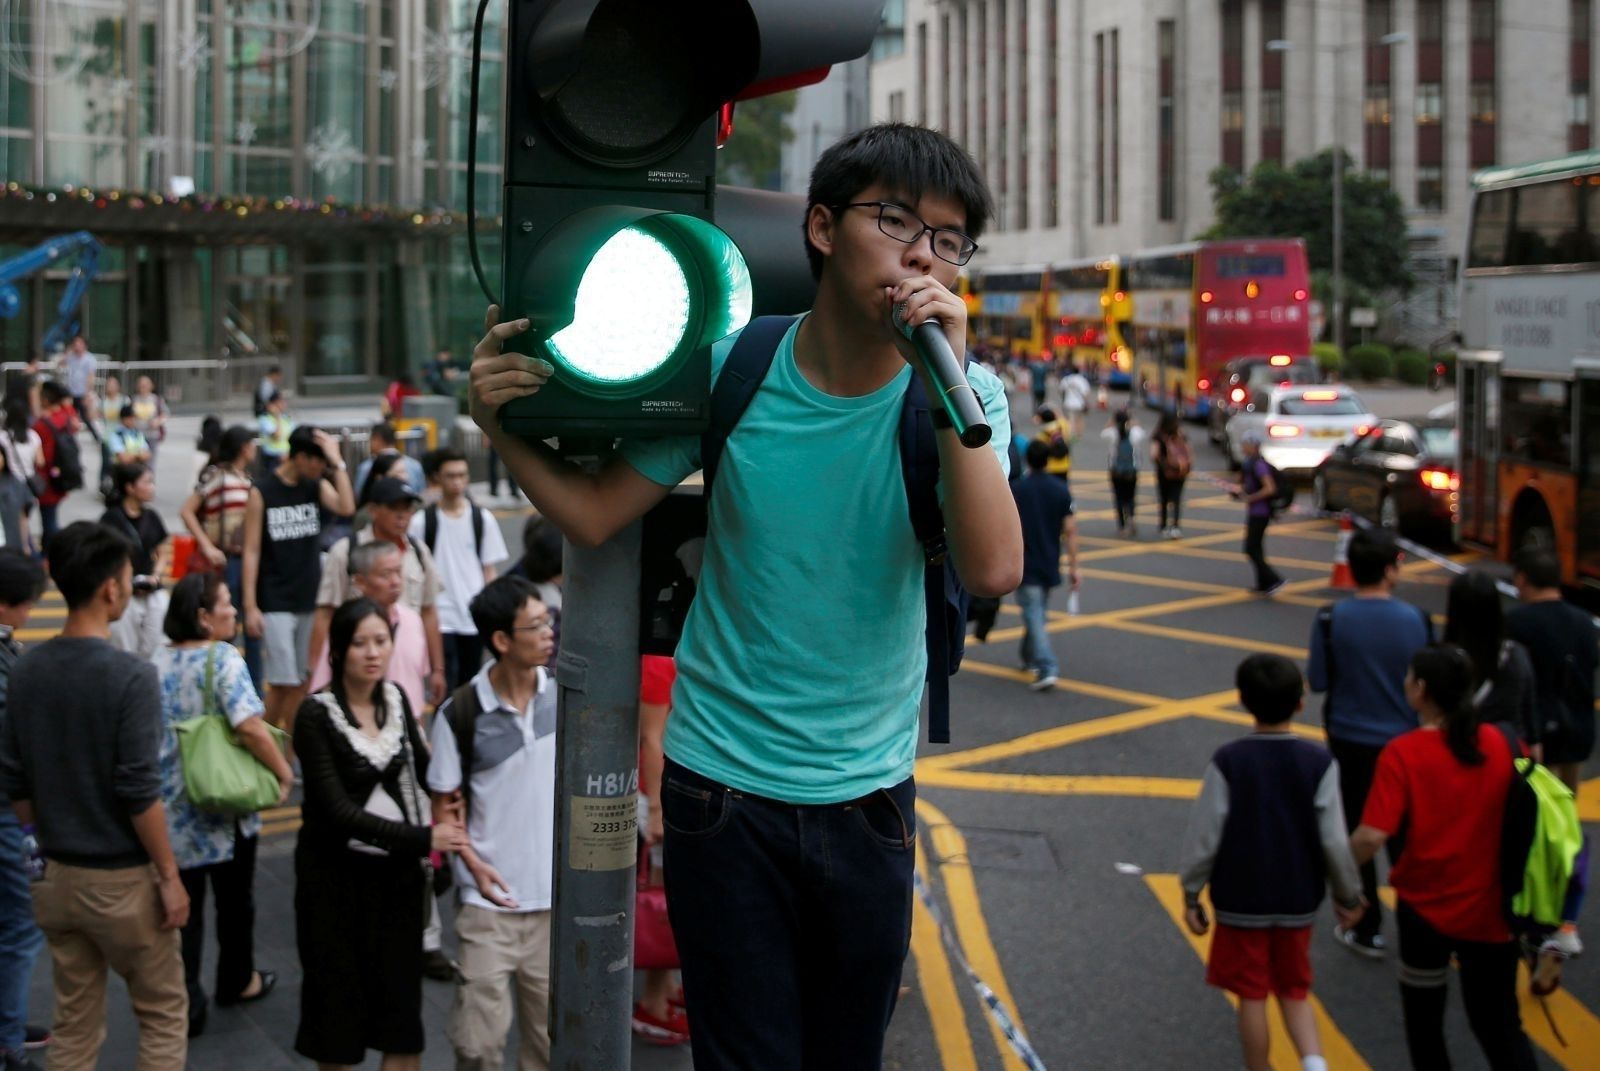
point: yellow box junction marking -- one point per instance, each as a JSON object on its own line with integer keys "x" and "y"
{"x": 937, "y": 981}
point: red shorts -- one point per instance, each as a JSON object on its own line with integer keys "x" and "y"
{"x": 1254, "y": 963}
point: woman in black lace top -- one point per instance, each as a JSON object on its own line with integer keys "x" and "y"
{"x": 359, "y": 888}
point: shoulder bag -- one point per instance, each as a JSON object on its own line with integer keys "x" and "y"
{"x": 219, "y": 773}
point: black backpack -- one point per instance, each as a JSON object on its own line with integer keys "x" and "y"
{"x": 430, "y": 527}
{"x": 946, "y": 599}
{"x": 1282, "y": 490}
{"x": 66, "y": 466}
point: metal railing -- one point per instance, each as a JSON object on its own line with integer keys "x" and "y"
{"x": 188, "y": 386}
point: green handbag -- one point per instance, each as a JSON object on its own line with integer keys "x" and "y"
{"x": 219, "y": 773}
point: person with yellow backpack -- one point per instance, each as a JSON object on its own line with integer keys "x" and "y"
{"x": 1056, "y": 433}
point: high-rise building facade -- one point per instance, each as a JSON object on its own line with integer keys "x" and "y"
{"x": 283, "y": 178}
{"x": 1098, "y": 125}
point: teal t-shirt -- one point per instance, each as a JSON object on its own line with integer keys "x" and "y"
{"x": 801, "y": 667}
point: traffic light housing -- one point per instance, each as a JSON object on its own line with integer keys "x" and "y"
{"x": 611, "y": 245}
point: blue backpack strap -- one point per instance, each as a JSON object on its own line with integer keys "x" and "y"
{"x": 736, "y": 387}
{"x": 944, "y": 598}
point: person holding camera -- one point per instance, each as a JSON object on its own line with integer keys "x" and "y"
{"x": 129, "y": 512}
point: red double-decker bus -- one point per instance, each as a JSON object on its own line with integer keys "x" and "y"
{"x": 1200, "y": 305}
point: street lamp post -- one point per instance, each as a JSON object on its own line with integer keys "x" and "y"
{"x": 1388, "y": 40}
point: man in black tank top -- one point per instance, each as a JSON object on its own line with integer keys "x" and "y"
{"x": 283, "y": 564}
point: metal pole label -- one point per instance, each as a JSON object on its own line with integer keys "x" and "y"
{"x": 604, "y": 832}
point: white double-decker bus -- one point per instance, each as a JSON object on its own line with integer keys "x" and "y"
{"x": 1529, "y": 370}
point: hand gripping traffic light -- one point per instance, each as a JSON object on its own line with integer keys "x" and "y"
{"x": 610, "y": 246}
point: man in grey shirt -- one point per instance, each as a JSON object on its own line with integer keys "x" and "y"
{"x": 79, "y": 366}
{"x": 80, "y": 759}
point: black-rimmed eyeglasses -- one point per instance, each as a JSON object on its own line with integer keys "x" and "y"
{"x": 904, "y": 225}
{"x": 544, "y": 624}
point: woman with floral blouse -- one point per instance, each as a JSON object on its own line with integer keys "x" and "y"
{"x": 211, "y": 847}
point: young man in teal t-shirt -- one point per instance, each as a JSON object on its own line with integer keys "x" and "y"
{"x": 787, "y": 797}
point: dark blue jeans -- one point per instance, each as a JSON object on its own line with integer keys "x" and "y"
{"x": 792, "y": 922}
{"x": 20, "y": 939}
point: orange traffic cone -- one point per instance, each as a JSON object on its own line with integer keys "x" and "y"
{"x": 1342, "y": 578}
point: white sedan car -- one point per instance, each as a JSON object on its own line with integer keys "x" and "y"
{"x": 1299, "y": 425}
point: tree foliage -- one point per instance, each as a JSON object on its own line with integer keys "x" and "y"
{"x": 1297, "y": 202}
{"x": 753, "y": 154}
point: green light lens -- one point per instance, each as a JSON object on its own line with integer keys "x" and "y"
{"x": 631, "y": 311}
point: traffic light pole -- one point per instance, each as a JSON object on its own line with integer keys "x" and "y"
{"x": 597, "y": 785}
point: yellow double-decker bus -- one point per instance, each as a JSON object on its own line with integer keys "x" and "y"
{"x": 1088, "y": 309}
{"x": 1013, "y": 310}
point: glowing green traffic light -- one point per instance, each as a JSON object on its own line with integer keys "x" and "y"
{"x": 630, "y": 314}
{"x": 628, "y": 295}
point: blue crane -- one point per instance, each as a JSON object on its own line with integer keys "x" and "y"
{"x": 80, "y": 244}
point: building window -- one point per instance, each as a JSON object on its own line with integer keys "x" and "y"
{"x": 1378, "y": 174}
{"x": 1099, "y": 128}
{"x": 1581, "y": 18}
{"x": 1428, "y": 103}
{"x": 1272, "y": 109}
{"x": 1430, "y": 188}
{"x": 944, "y": 72}
{"x": 1232, "y": 111}
{"x": 922, "y": 73}
{"x": 1430, "y": 21}
{"x": 1116, "y": 126}
{"x": 1378, "y": 106}
{"x": 1482, "y": 20}
{"x": 1481, "y": 102}
{"x": 891, "y": 39}
{"x": 897, "y": 106}
{"x": 1052, "y": 44}
{"x": 1380, "y": 18}
{"x": 1166, "y": 192}
{"x": 1578, "y": 106}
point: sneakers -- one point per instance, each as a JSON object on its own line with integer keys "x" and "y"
{"x": 1564, "y": 942}
{"x": 1557, "y": 948}
{"x": 1174, "y": 532}
{"x": 1372, "y": 947}
{"x": 37, "y": 1037}
{"x": 1042, "y": 681}
{"x": 671, "y": 1030}
{"x": 1271, "y": 590}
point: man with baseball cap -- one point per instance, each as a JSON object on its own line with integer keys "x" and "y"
{"x": 390, "y": 507}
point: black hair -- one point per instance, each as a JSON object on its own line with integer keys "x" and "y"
{"x": 1445, "y": 673}
{"x": 19, "y": 415}
{"x": 385, "y": 431}
{"x": 495, "y": 608}
{"x": 195, "y": 592}
{"x": 341, "y": 633}
{"x": 123, "y": 477}
{"x": 52, "y": 393}
{"x": 1045, "y": 414}
{"x": 303, "y": 441}
{"x": 1372, "y": 551}
{"x": 1122, "y": 420}
{"x": 128, "y": 410}
{"x": 231, "y": 444}
{"x": 910, "y": 161}
{"x": 1541, "y": 567}
{"x": 21, "y": 578}
{"x": 1038, "y": 455}
{"x": 275, "y": 396}
{"x": 83, "y": 556}
{"x": 210, "y": 437}
{"x": 1167, "y": 427}
{"x": 275, "y": 370}
{"x": 1270, "y": 687}
{"x": 1475, "y": 622}
{"x": 386, "y": 465}
{"x": 434, "y": 460}
{"x": 541, "y": 550}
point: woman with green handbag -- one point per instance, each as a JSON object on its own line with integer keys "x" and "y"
{"x": 215, "y": 735}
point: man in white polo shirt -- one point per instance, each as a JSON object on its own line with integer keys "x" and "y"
{"x": 500, "y": 727}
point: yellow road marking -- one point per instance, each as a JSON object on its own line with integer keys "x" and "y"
{"x": 1175, "y": 584}
{"x": 1229, "y": 717}
{"x": 272, "y": 829}
{"x": 950, "y": 1034}
{"x": 1177, "y": 548}
{"x": 1210, "y": 638}
{"x": 1098, "y": 691}
{"x": 1171, "y": 788}
{"x": 1576, "y": 1022}
{"x": 966, "y": 911}
{"x": 1336, "y": 1048}
{"x": 272, "y": 814}
{"x": 1589, "y": 800}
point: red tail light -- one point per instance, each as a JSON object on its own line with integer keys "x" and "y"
{"x": 1236, "y": 395}
{"x": 1206, "y": 296}
{"x": 1361, "y": 432}
{"x": 1300, "y": 295}
{"x": 1282, "y": 431}
{"x": 1440, "y": 480}
{"x": 1204, "y": 384}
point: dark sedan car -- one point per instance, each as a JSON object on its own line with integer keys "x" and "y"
{"x": 1398, "y": 473}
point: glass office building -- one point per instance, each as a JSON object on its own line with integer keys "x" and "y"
{"x": 275, "y": 178}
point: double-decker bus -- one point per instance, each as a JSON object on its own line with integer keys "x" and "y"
{"x": 1528, "y": 375}
{"x": 1199, "y": 305}
{"x": 1012, "y": 310}
{"x": 1089, "y": 309}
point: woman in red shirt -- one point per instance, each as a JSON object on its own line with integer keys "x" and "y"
{"x": 1445, "y": 784}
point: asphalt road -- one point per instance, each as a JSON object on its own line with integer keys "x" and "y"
{"x": 1049, "y": 831}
